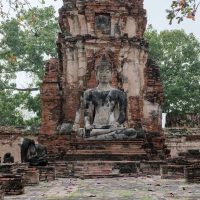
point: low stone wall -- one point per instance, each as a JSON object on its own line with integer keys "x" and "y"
{"x": 8, "y": 168}
{"x": 46, "y": 173}
{"x": 30, "y": 176}
{"x": 172, "y": 171}
{"x": 181, "y": 140}
{"x": 151, "y": 167}
{"x": 96, "y": 169}
{"x": 12, "y": 184}
{"x": 187, "y": 121}
{"x": 192, "y": 174}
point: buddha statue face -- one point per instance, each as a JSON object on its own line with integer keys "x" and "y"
{"x": 103, "y": 72}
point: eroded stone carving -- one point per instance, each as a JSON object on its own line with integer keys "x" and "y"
{"x": 103, "y": 24}
{"x": 36, "y": 155}
{"x": 8, "y": 158}
{"x": 107, "y": 106}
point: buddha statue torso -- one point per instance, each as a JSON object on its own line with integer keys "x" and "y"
{"x": 105, "y": 108}
{"x": 109, "y": 106}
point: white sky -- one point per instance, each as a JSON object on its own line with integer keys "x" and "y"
{"x": 156, "y": 16}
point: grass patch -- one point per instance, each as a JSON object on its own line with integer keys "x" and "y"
{"x": 146, "y": 198}
{"x": 80, "y": 183}
{"x": 95, "y": 191}
{"x": 74, "y": 194}
{"x": 52, "y": 196}
{"x": 104, "y": 195}
{"x": 184, "y": 181}
{"x": 124, "y": 193}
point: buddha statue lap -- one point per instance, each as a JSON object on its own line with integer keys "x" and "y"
{"x": 107, "y": 105}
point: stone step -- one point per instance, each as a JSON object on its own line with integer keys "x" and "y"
{"x": 107, "y": 144}
{"x": 95, "y": 169}
{"x": 98, "y": 172}
{"x": 101, "y": 147}
{"x": 90, "y": 152}
{"x": 104, "y": 157}
{"x": 95, "y": 176}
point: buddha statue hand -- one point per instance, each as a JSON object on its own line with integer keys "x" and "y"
{"x": 88, "y": 127}
{"x": 115, "y": 125}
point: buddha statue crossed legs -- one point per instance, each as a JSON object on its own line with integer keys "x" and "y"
{"x": 107, "y": 105}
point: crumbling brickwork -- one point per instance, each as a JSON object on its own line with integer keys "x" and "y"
{"x": 186, "y": 121}
{"x": 51, "y": 97}
{"x": 89, "y": 30}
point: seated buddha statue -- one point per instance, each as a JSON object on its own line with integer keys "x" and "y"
{"x": 105, "y": 108}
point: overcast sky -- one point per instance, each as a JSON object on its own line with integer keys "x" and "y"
{"x": 156, "y": 16}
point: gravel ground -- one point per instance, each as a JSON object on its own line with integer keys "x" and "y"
{"x": 142, "y": 188}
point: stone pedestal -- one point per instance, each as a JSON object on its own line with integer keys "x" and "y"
{"x": 30, "y": 176}
{"x": 46, "y": 173}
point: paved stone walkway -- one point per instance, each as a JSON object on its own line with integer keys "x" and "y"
{"x": 142, "y": 188}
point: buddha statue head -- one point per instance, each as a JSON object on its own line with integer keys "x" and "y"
{"x": 103, "y": 71}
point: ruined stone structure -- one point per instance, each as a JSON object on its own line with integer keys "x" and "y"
{"x": 10, "y": 142}
{"x": 109, "y": 34}
{"x": 187, "y": 121}
{"x": 91, "y": 31}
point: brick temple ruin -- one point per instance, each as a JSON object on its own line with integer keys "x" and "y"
{"x": 91, "y": 30}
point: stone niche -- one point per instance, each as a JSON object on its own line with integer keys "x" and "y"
{"x": 89, "y": 30}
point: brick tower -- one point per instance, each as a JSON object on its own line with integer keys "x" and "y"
{"x": 89, "y": 29}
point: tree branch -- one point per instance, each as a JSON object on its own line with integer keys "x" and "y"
{"x": 24, "y": 70}
{"x": 5, "y": 87}
{"x": 20, "y": 89}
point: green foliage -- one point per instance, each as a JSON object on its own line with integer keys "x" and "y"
{"x": 177, "y": 54}
{"x": 181, "y": 9}
{"x": 125, "y": 193}
{"x": 27, "y": 41}
{"x": 9, "y": 109}
{"x": 146, "y": 198}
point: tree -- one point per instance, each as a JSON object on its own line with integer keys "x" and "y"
{"x": 17, "y": 6}
{"x": 177, "y": 54}
{"x": 181, "y": 9}
{"x": 26, "y": 43}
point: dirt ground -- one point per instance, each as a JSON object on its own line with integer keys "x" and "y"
{"x": 142, "y": 188}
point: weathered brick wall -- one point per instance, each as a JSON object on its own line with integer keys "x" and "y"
{"x": 186, "y": 121}
{"x": 81, "y": 46}
{"x": 153, "y": 98}
{"x": 51, "y": 97}
{"x": 10, "y": 142}
{"x": 181, "y": 140}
